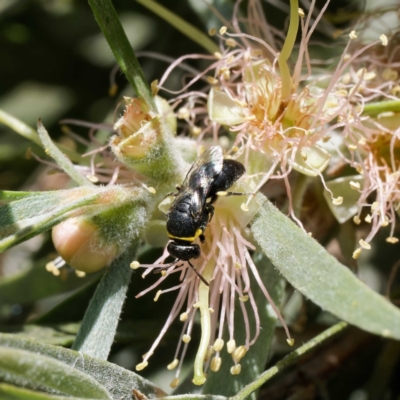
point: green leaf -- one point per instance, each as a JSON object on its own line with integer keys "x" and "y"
{"x": 30, "y": 215}
{"x": 10, "y": 392}
{"x": 320, "y": 277}
{"x": 60, "y": 335}
{"x": 113, "y": 31}
{"x": 60, "y": 158}
{"x": 99, "y": 325}
{"x": 223, "y": 382}
{"x": 35, "y": 371}
{"x": 117, "y": 381}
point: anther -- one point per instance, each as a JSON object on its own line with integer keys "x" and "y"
{"x": 218, "y": 344}
{"x": 215, "y": 364}
{"x": 141, "y": 366}
{"x": 231, "y": 346}
{"x": 173, "y": 364}
{"x": 235, "y": 370}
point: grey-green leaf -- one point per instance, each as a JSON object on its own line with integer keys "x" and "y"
{"x": 118, "y": 381}
{"x": 35, "y": 371}
{"x": 11, "y": 392}
{"x": 29, "y": 215}
{"x": 320, "y": 277}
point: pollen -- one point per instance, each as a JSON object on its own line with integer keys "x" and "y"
{"x": 392, "y": 239}
{"x": 218, "y": 55}
{"x": 239, "y": 353}
{"x": 174, "y": 383}
{"x": 231, "y": 346}
{"x": 184, "y": 316}
{"x": 365, "y": 245}
{"x": 356, "y": 253}
{"x": 80, "y": 274}
{"x": 134, "y": 265}
{"x": 173, "y": 364}
{"x": 211, "y": 80}
{"x": 353, "y": 35}
{"x": 384, "y": 39}
{"x": 352, "y": 147}
{"x": 92, "y": 178}
{"x": 385, "y": 222}
{"x": 223, "y": 30}
{"x": 244, "y": 207}
{"x": 196, "y": 130}
{"x": 141, "y": 366}
{"x": 354, "y": 185}
{"x": 359, "y": 169}
{"x": 235, "y": 370}
{"x": 390, "y": 74}
{"x": 301, "y": 13}
{"x": 158, "y": 294}
{"x": 231, "y": 42}
{"x": 212, "y": 31}
{"x": 215, "y": 364}
{"x": 186, "y": 338}
{"x": 183, "y": 113}
{"x": 218, "y": 344}
{"x": 368, "y": 218}
{"x": 357, "y": 220}
{"x": 244, "y": 298}
{"x": 290, "y": 342}
{"x": 374, "y": 205}
{"x": 337, "y": 201}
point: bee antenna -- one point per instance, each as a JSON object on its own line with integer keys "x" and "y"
{"x": 198, "y": 273}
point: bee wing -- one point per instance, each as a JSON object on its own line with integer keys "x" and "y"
{"x": 201, "y": 176}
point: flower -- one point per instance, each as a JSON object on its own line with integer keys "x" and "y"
{"x": 304, "y": 121}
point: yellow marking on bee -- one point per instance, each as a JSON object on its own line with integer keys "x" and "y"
{"x": 187, "y": 239}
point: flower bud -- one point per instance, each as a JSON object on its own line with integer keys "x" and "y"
{"x": 78, "y": 242}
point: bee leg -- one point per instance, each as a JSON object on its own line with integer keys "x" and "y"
{"x": 198, "y": 273}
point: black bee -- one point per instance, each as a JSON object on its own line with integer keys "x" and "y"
{"x": 211, "y": 175}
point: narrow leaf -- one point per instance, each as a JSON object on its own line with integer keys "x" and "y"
{"x": 115, "y": 379}
{"x": 40, "y": 211}
{"x": 35, "y": 371}
{"x": 99, "y": 325}
{"x": 10, "y": 392}
{"x": 113, "y": 31}
{"x": 320, "y": 277}
{"x": 61, "y": 159}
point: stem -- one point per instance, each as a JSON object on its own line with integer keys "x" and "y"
{"x": 204, "y": 291}
{"x": 114, "y": 33}
{"x": 287, "y": 49}
{"x": 289, "y": 360}
{"x": 99, "y": 325}
{"x": 60, "y": 158}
